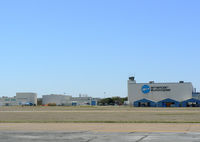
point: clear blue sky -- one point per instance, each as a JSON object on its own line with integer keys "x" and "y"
{"x": 93, "y": 46}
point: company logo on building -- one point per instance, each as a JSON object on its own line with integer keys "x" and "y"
{"x": 146, "y": 89}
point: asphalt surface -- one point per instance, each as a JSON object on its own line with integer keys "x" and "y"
{"x": 85, "y": 136}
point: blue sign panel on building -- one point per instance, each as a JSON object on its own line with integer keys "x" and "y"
{"x": 146, "y": 89}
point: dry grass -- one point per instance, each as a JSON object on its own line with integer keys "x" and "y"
{"x": 100, "y": 127}
{"x": 98, "y": 115}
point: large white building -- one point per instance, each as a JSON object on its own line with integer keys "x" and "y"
{"x": 26, "y": 98}
{"x": 64, "y": 100}
{"x": 158, "y": 94}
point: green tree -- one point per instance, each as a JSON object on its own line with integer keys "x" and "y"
{"x": 112, "y": 101}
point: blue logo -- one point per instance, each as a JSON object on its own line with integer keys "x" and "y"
{"x": 146, "y": 89}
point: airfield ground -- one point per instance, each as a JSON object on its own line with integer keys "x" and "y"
{"x": 100, "y": 127}
{"x": 98, "y": 114}
{"x": 99, "y": 124}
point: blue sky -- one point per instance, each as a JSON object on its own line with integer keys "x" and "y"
{"x": 92, "y": 47}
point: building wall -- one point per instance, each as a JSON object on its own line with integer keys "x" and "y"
{"x": 196, "y": 95}
{"x": 151, "y": 91}
{"x": 82, "y": 100}
{"x": 24, "y": 98}
{"x": 8, "y": 101}
{"x": 57, "y": 99}
{"x": 85, "y": 100}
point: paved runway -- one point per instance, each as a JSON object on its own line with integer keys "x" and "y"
{"x": 85, "y": 136}
{"x": 99, "y": 132}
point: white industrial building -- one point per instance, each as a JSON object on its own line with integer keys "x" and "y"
{"x": 59, "y": 100}
{"x": 19, "y": 99}
{"x": 64, "y": 100}
{"x": 159, "y": 94}
{"x": 24, "y": 98}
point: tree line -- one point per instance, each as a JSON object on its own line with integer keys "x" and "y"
{"x": 112, "y": 101}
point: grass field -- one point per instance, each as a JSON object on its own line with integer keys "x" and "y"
{"x": 99, "y": 114}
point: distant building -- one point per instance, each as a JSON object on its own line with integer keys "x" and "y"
{"x": 59, "y": 100}
{"x": 19, "y": 99}
{"x": 176, "y": 94}
{"x": 84, "y": 100}
{"x": 26, "y": 98}
{"x": 30, "y": 99}
{"x": 8, "y": 101}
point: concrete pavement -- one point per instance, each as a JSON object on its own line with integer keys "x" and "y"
{"x": 99, "y": 132}
{"x": 85, "y": 136}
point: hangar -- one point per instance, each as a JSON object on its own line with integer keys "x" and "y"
{"x": 168, "y": 103}
{"x": 191, "y": 103}
{"x": 151, "y": 94}
{"x": 144, "y": 103}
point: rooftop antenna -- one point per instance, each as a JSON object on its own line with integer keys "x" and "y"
{"x": 131, "y": 74}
